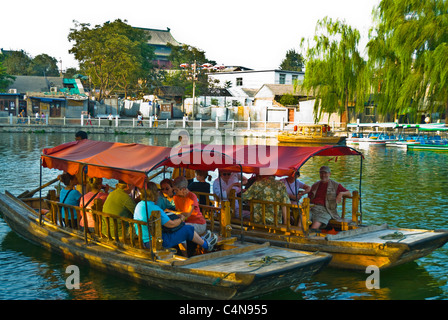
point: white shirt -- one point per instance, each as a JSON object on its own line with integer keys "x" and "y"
{"x": 291, "y": 187}
{"x": 220, "y": 188}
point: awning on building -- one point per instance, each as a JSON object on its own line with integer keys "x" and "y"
{"x": 48, "y": 99}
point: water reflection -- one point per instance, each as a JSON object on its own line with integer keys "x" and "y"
{"x": 29, "y": 272}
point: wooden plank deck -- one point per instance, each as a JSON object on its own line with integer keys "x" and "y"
{"x": 259, "y": 261}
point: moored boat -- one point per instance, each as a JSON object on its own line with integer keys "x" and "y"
{"x": 352, "y": 244}
{"x": 310, "y": 134}
{"x": 234, "y": 271}
{"x": 430, "y": 138}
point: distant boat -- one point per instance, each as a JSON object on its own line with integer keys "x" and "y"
{"x": 310, "y": 134}
{"x": 430, "y": 138}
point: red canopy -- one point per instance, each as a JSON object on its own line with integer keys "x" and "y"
{"x": 132, "y": 162}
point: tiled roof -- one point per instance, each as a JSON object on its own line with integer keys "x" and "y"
{"x": 161, "y": 37}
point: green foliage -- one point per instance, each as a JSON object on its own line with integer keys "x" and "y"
{"x": 293, "y": 61}
{"x": 44, "y": 65}
{"x": 5, "y": 78}
{"x": 288, "y": 100}
{"x": 19, "y": 63}
{"x": 334, "y": 69}
{"x": 114, "y": 55}
{"x": 408, "y": 56}
{"x": 187, "y": 54}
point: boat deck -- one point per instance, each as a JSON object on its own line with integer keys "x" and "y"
{"x": 383, "y": 234}
{"x": 261, "y": 260}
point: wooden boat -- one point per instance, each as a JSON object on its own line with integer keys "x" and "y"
{"x": 310, "y": 134}
{"x": 352, "y": 244}
{"x": 235, "y": 270}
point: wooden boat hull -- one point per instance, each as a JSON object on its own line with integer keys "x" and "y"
{"x": 357, "y": 249}
{"x": 297, "y": 138}
{"x": 199, "y": 277}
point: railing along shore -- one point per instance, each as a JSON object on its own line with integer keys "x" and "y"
{"x": 143, "y": 126}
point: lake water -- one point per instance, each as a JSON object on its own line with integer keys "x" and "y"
{"x": 401, "y": 188}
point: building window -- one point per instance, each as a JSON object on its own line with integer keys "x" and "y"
{"x": 239, "y": 82}
{"x": 369, "y": 111}
{"x": 282, "y": 78}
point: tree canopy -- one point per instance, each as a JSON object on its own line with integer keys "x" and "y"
{"x": 408, "y": 55}
{"x": 190, "y": 55}
{"x": 114, "y": 55}
{"x": 293, "y": 61}
{"x": 333, "y": 67}
{"x": 20, "y": 63}
{"x": 5, "y": 78}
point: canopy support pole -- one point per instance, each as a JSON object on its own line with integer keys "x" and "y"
{"x": 296, "y": 175}
{"x": 83, "y": 190}
{"x": 40, "y": 192}
{"x": 240, "y": 208}
{"x": 147, "y": 220}
{"x": 360, "y": 195}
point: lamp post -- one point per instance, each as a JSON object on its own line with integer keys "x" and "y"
{"x": 194, "y": 73}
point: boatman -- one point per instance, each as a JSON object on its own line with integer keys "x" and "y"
{"x": 325, "y": 195}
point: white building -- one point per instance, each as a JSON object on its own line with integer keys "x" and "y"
{"x": 255, "y": 79}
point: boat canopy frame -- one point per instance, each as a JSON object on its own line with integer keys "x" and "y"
{"x": 109, "y": 159}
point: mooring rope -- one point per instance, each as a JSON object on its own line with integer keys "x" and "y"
{"x": 393, "y": 236}
{"x": 263, "y": 262}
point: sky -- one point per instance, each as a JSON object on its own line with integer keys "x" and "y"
{"x": 251, "y": 33}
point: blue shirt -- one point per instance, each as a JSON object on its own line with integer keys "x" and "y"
{"x": 164, "y": 203}
{"x": 72, "y": 199}
{"x": 140, "y": 214}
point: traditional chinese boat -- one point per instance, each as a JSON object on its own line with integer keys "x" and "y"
{"x": 310, "y": 134}
{"x": 236, "y": 270}
{"x": 352, "y": 244}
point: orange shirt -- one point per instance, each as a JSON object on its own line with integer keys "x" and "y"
{"x": 184, "y": 204}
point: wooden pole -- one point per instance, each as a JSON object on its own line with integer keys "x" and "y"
{"x": 28, "y": 194}
{"x": 225, "y": 219}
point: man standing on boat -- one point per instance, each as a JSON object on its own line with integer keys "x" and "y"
{"x": 325, "y": 195}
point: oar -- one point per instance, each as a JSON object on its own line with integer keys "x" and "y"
{"x": 28, "y": 194}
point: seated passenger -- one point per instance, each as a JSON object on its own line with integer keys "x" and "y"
{"x": 118, "y": 203}
{"x": 224, "y": 184}
{"x": 166, "y": 194}
{"x": 69, "y": 195}
{"x": 170, "y": 239}
{"x": 325, "y": 195}
{"x": 95, "y": 186}
{"x": 201, "y": 185}
{"x": 267, "y": 188}
{"x": 290, "y": 183}
{"x": 186, "y": 202}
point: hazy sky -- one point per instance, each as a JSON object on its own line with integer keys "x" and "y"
{"x": 254, "y": 34}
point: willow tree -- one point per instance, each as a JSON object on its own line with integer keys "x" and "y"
{"x": 114, "y": 55}
{"x": 334, "y": 68}
{"x": 408, "y": 56}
